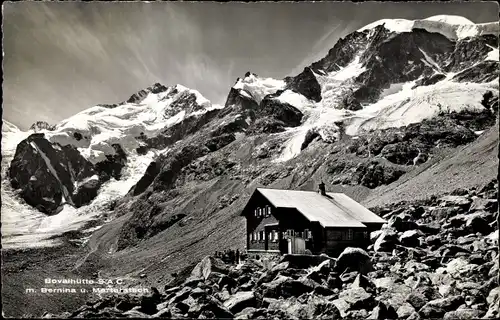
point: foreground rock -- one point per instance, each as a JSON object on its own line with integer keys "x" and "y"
{"x": 354, "y": 259}
{"x": 418, "y": 271}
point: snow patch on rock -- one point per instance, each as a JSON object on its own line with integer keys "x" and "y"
{"x": 296, "y": 100}
{"x": 102, "y": 127}
{"x": 493, "y": 54}
{"x": 452, "y": 27}
{"x": 414, "y": 105}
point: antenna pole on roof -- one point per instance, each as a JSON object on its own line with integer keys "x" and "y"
{"x": 322, "y": 189}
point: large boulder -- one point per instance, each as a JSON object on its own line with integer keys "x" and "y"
{"x": 208, "y": 265}
{"x": 439, "y": 213}
{"x": 364, "y": 282}
{"x": 358, "y": 298}
{"x": 304, "y": 261}
{"x": 458, "y": 268}
{"x": 133, "y": 314}
{"x": 412, "y": 267}
{"x": 463, "y": 202}
{"x": 417, "y": 300}
{"x": 480, "y": 223}
{"x": 382, "y": 312}
{"x": 401, "y": 223}
{"x": 405, "y": 310}
{"x": 269, "y": 275}
{"x": 355, "y": 259}
{"x": 320, "y": 272}
{"x": 431, "y": 312}
{"x": 387, "y": 241}
{"x": 211, "y": 308}
{"x": 273, "y": 288}
{"x": 493, "y": 301}
{"x": 432, "y": 228}
{"x": 446, "y": 304}
{"x": 247, "y": 313}
{"x": 392, "y": 290}
{"x": 342, "y": 305}
{"x": 292, "y": 307}
{"x": 149, "y": 303}
{"x": 240, "y": 301}
{"x": 463, "y": 314}
{"x": 375, "y": 235}
{"x": 321, "y": 308}
{"x": 348, "y": 277}
{"x": 480, "y": 204}
{"x": 295, "y": 288}
{"x": 410, "y": 238}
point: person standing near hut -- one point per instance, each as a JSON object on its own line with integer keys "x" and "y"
{"x": 231, "y": 256}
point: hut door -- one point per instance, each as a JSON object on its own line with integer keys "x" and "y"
{"x": 296, "y": 245}
{"x": 300, "y": 245}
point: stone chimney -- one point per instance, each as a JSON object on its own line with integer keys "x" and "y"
{"x": 322, "y": 189}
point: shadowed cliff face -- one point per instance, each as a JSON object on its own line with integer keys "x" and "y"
{"x": 63, "y": 58}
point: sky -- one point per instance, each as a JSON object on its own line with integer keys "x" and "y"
{"x": 63, "y": 57}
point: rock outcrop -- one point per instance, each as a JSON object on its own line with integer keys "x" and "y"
{"x": 50, "y": 175}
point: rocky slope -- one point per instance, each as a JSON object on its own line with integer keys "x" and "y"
{"x": 393, "y": 104}
{"x": 435, "y": 258}
{"x": 358, "y": 117}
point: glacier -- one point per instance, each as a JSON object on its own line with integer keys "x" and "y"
{"x": 100, "y": 127}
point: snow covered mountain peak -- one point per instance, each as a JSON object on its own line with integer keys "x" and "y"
{"x": 93, "y": 131}
{"x": 9, "y": 127}
{"x": 450, "y": 19}
{"x": 88, "y": 159}
{"x": 256, "y": 88}
{"x": 452, "y": 27}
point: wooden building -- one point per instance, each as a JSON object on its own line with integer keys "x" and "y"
{"x": 290, "y": 221}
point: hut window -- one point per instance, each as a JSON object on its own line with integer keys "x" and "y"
{"x": 349, "y": 234}
{"x": 307, "y": 234}
{"x": 334, "y": 235}
{"x": 269, "y": 236}
{"x": 275, "y": 236}
{"x": 268, "y": 211}
{"x": 261, "y": 236}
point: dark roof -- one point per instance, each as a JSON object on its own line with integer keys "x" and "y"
{"x": 333, "y": 210}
